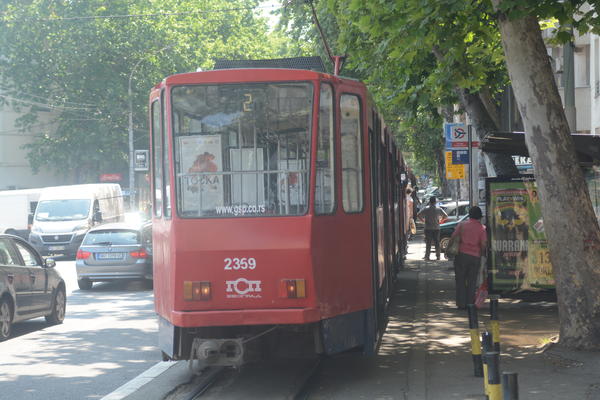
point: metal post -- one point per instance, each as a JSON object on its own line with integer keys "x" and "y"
{"x": 470, "y": 147}
{"x": 131, "y": 160}
{"x": 475, "y": 343}
{"x": 510, "y": 385}
{"x": 130, "y": 132}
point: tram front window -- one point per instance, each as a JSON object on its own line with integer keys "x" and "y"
{"x": 242, "y": 149}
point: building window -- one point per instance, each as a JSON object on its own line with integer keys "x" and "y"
{"x": 582, "y": 66}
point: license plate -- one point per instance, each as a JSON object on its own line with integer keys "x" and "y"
{"x": 54, "y": 248}
{"x": 110, "y": 256}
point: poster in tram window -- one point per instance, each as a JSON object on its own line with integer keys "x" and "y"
{"x": 199, "y": 156}
{"x": 518, "y": 257}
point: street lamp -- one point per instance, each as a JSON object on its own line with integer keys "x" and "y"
{"x": 131, "y": 149}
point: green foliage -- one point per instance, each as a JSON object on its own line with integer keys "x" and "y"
{"x": 78, "y": 68}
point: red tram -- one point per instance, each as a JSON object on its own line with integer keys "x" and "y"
{"x": 278, "y": 203}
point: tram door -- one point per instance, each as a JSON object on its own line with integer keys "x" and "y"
{"x": 341, "y": 224}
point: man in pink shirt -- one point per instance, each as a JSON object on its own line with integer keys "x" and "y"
{"x": 473, "y": 242}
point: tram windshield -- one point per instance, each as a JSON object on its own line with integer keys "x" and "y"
{"x": 242, "y": 149}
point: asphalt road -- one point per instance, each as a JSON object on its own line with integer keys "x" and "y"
{"x": 109, "y": 337}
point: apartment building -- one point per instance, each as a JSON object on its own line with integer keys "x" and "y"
{"x": 15, "y": 171}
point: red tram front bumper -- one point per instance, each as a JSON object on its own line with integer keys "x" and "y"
{"x": 245, "y": 317}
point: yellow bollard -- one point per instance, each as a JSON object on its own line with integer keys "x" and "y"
{"x": 486, "y": 347}
{"x": 494, "y": 384}
{"x": 494, "y": 322}
{"x": 475, "y": 343}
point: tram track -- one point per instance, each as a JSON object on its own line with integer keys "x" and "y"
{"x": 287, "y": 379}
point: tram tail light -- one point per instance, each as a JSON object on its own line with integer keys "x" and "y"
{"x": 195, "y": 290}
{"x": 293, "y": 288}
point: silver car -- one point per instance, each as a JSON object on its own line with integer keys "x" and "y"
{"x": 113, "y": 252}
{"x": 30, "y": 287}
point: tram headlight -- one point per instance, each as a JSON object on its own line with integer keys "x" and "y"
{"x": 196, "y": 290}
{"x": 292, "y": 288}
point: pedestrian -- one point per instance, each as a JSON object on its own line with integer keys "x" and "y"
{"x": 416, "y": 203}
{"x": 409, "y": 213}
{"x": 432, "y": 215}
{"x": 472, "y": 245}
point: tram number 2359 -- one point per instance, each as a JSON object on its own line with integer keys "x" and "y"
{"x": 240, "y": 263}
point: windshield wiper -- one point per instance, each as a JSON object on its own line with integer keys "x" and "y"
{"x": 103, "y": 243}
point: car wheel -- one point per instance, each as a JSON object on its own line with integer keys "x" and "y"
{"x": 59, "y": 306}
{"x": 5, "y": 319}
{"x": 84, "y": 284}
{"x": 444, "y": 243}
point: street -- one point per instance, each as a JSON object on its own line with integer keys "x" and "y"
{"x": 108, "y": 337}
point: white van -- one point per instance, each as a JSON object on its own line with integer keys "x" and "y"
{"x": 16, "y": 211}
{"x": 64, "y": 214}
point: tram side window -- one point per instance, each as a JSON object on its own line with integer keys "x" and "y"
{"x": 157, "y": 166}
{"x": 166, "y": 165}
{"x": 352, "y": 197}
{"x": 324, "y": 189}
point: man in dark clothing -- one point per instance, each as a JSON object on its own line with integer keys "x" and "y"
{"x": 432, "y": 216}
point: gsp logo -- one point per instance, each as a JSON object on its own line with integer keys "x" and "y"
{"x": 243, "y": 287}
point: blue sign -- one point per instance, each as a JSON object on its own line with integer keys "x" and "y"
{"x": 456, "y": 135}
{"x": 460, "y": 156}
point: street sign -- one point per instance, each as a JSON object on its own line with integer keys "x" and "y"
{"x": 454, "y": 171}
{"x": 111, "y": 177}
{"x": 460, "y": 156}
{"x": 140, "y": 158}
{"x": 456, "y": 136}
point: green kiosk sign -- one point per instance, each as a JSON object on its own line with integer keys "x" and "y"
{"x": 518, "y": 257}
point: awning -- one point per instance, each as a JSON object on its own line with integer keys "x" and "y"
{"x": 513, "y": 143}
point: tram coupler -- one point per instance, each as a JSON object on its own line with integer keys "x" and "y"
{"x": 218, "y": 352}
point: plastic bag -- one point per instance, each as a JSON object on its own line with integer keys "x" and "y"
{"x": 482, "y": 275}
{"x": 481, "y": 294}
{"x": 413, "y": 227}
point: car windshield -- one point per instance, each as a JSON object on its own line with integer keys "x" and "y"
{"x": 112, "y": 237}
{"x": 242, "y": 149}
{"x": 62, "y": 210}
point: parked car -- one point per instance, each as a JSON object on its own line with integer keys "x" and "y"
{"x": 30, "y": 286}
{"x": 113, "y": 252}
{"x": 450, "y": 208}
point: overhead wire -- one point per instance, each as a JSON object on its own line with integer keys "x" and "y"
{"x": 5, "y": 88}
{"x": 44, "y": 105}
{"x": 129, "y": 16}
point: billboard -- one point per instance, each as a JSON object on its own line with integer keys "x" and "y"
{"x": 518, "y": 256}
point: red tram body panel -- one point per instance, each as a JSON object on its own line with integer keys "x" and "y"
{"x": 277, "y": 206}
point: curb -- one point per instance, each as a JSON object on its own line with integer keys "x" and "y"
{"x": 142, "y": 379}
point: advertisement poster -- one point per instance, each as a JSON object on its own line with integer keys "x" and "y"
{"x": 200, "y": 157}
{"x": 518, "y": 257}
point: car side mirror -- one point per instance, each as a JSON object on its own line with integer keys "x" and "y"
{"x": 49, "y": 263}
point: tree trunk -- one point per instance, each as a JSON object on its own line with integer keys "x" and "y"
{"x": 569, "y": 220}
{"x": 484, "y": 124}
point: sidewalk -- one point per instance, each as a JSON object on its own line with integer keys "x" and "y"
{"x": 441, "y": 366}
